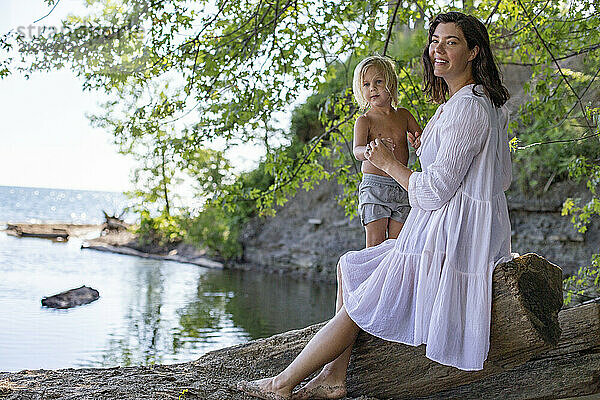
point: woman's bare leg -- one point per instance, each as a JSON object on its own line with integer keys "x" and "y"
{"x": 330, "y": 383}
{"x": 331, "y": 341}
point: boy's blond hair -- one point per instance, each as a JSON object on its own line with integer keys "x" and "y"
{"x": 386, "y": 67}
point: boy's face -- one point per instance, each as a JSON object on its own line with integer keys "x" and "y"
{"x": 373, "y": 88}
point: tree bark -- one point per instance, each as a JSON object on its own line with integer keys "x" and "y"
{"x": 570, "y": 369}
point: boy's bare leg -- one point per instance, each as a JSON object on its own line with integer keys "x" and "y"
{"x": 394, "y": 228}
{"x": 376, "y": 231}
{"x": 331, "y": 341}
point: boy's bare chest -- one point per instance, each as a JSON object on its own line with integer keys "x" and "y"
{"x": 385, "y": 128}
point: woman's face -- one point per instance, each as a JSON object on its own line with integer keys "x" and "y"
{"x": 449, "y": 53}
{"x": 373, "y": 88}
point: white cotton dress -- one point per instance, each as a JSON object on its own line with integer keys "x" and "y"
{"x": 433, "y": 284}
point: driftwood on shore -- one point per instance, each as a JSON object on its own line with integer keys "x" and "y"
{"x": 58, "y": 232}
{"x": 534, "y": 355}
{"x": 38, "y": 231}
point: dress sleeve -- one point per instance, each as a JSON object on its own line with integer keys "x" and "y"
{"x": 463, "y": 134}
{"x": 505, "y": 149}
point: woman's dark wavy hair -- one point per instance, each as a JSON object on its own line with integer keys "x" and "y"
{"x": 484, "y": 69}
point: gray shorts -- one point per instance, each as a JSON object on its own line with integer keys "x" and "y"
{"x": 381, "y": 197}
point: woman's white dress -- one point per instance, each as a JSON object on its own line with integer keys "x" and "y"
{"x": 434, "y": 283}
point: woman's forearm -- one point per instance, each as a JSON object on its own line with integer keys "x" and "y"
{"x": 399, "y": 172}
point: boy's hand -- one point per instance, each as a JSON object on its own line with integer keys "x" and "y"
{"x": 414, "y": 139}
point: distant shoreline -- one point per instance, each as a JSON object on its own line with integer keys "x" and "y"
{"x": 120, "y": 192}
{"x": 98, "y": 237}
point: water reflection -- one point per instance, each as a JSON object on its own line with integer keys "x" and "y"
{"x": 149, "y": 311}
{"x": 225, "y": 308}
{"x": 265, "y": 304}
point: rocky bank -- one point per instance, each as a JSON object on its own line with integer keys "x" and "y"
{"x": 311, "y": 231}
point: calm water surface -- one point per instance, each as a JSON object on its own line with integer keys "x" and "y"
{"x": 149, "y": 311}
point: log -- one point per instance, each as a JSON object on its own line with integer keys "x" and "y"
{"x": 570, "y": 369}
{"x": 38, "y": 231}
{"x": 71, "y": 298}
{"x": 527, "y": 296}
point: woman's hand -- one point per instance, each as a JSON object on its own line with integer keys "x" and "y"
{"x": 414, "y": 139}
{"x": 389, "y": 142}
{"x": 379, "y": 154}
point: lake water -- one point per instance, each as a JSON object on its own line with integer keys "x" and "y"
{"x": 149, "y": 311}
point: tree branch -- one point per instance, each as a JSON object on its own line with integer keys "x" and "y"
{"x": 489, "y": 18}
{"x": 50, "y": 12}
{"x": 539, "y": 35}
{"x": 559, "y": 141}
{"x": 527, "y": 24}
{"x": 389, "y": 32}
{"x": 317, "y": 140}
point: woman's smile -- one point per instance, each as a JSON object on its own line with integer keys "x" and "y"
{"x": 451, "y": 56}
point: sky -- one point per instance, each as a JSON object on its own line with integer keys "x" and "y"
{"x": 46, "y": 140}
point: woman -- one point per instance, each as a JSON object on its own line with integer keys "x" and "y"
{"x": 433, "y": 284}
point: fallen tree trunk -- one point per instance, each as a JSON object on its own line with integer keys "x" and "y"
{"x": 527, "y": 295}
{"x": 570, "y": 369}
{"x": 527, "y": 360}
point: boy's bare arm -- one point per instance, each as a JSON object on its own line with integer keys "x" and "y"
{"x": 361, "y": 136}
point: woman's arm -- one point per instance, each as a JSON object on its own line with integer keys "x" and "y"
{"x": 383, "y": 158}
{"x": 461, "y": 140}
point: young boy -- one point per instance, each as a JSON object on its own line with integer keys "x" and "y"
{"x": 382, "y": 202}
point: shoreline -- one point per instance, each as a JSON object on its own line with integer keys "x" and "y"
{"x": 98, "y": 237}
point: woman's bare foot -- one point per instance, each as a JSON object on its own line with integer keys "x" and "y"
{"x": 321, "y": 387}
{"x": 263, "y": 389}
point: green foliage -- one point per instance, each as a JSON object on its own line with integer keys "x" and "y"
{"x": 586, "y": 282}
{"x": 214, "y": 229}
{"x": 163, "y": 231}
{"x": 581, "y": 214}
{"x": 184, "y": 75}
{"x": 6, "y": 45}
{"x": 552, "y": 42}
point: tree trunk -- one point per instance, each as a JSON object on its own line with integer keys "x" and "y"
{"x": 570, "y": 369}
{"x": 164, "y": 181}
{"x": 527, "y": 295}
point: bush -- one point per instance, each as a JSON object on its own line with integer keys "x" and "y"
{"x": 163, "y": 231}
{"x": 216, "y": 230}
